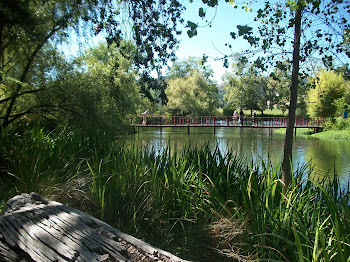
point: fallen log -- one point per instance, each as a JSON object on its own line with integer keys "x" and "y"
{"x": 33, "y": 228}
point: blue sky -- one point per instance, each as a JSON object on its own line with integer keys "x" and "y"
{"x": 211, "y": 40}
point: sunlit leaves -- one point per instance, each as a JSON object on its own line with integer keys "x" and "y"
{"x": 190, "y": 90}
{"x": 244, "y": 88}
{"x": 329, "y": 86}
{"x": 192, "y": 95}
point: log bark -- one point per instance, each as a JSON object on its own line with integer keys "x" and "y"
{"x": 33, "y": 228}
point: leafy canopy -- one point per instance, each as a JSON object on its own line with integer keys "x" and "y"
{"x": 330, "y": 87}
{"x": 190, "y": 90}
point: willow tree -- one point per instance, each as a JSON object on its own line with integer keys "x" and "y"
{"x": 29, "y": 30}
{"x": 190, "y": 90}
{"x": 305, "y": 34}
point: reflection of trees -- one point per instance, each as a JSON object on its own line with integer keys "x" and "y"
{"x": 325, "y": 156}
{"x": 248, "y": 144}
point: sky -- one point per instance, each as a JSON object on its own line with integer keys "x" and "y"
{"x": 211, "y": 40}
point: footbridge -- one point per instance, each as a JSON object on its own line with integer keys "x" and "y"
{"x": 225, "y": 121}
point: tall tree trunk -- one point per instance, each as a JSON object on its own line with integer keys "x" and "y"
{"x": 288, "y": 142}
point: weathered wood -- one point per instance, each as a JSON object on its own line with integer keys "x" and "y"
{"x": 33, "y": 228}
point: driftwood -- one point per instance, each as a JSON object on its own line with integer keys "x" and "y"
{"x": 33, "y": 228}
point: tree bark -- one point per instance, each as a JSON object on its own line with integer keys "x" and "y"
{"x": 288, "y": 142}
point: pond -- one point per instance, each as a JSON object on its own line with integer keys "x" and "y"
{"x": 322, "y": 157}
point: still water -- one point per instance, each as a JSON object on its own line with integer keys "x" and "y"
{"x": 323, "y": 157}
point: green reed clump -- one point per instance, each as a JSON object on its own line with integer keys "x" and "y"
{"x": 51, "y": 163}
{"x": 153, "y": 195}
{"x": 156, "y": 193}
{"x": 310, "y": 222}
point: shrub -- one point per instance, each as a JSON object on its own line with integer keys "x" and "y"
{"x": 337, "y": 124}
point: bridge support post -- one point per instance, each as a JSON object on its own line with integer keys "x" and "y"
{"x": 188, "y": 129}
{"x": 214, "y": 124}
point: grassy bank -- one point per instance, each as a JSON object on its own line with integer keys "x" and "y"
{"x": 338, "y": 128}
{"x": 192, "y": 202}
{"x": 334, "y": 129}
{"x": 300, "y": 131}
{"x": 334, "y": 134}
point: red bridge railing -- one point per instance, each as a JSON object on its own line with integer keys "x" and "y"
{"x": 224, "y": 121}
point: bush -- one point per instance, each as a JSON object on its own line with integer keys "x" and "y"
{"x": 339, "y": 123}
{"x": 228, "y": 110}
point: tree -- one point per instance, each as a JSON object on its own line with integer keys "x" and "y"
{"x": 246, "y": 89}
{"x": 329, "y": 87}
{"x": 191, "y": 95}
{"x": 190, "y": 90}
{"x": 28, "y": 28}
{"x": 320, "y": 32}
{"x": 23, "y": 41}
{"x": 279, "y": 83}
{"x": 107, "y": 93}
{"x": 185, "y": 68}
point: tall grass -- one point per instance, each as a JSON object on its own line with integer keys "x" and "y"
{"x": 195, "y": 188}
{"x": 197, "y": 202}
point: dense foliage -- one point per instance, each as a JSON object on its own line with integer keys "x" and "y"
{"x": 31, "y": 31}
{"x": 106, "y": 90}
{"x": 245, "y": 88}
{"x": 59, "y": 119}
{"x": 190, "y": 90}
{"x": 330, "y": 95}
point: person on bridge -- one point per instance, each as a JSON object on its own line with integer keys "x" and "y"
{"x": 241, "y": 117}
{"x": 235, "y": 117}
{"x": 254, "y": 119}
{"x": 144, "y": 117}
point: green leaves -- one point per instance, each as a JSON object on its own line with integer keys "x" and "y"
{"x": 244, "y": 30}
{"x": 294, "y": 5}
{"x": 329, "y": 87}
{"x": 201, "y": 12}
{"x": 190, "y": 89}
{"x": 233, "y": 35}
{"x": 193, "y": 29}
{"x": 210, "y": 3}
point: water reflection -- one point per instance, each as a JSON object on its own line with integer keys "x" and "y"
{"x": 325, "y": 157}
{"x": 328, "y": 157}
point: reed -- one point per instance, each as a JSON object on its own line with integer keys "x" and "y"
{"x": 191, "y": 202}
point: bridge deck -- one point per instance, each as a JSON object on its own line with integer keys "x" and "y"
{"x": 224, "y": 121}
